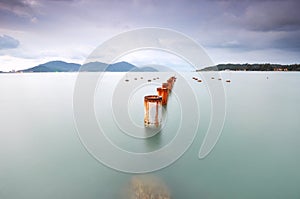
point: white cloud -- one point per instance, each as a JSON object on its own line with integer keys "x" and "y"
{"x": 156, "y": 57}
{"x": 9, "y": 63}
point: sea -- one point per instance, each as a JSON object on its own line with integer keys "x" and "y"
{"x": 255, "y": 153}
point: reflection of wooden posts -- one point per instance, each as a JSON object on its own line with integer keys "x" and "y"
{"x": 148, "y": 187}
{"x": 153, "y": 110}
{"x": 163, "y": 92}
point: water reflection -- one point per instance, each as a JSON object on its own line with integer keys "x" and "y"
{"x": 146, "y": 187}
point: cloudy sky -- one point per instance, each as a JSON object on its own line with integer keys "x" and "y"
{"x": 256, "y": 31}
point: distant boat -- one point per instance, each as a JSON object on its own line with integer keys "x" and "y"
{"x": 228, "y": 80}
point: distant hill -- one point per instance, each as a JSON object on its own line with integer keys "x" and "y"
{"x": 145, "y": 69}
{"x": 60, "y": 66}
{"x": 116, "y": 67}
{"x": 121, "y": 67}
{"x": 54, "y": 66}
{"x": 93, "y": 67}
{"x": 254, "y": 67}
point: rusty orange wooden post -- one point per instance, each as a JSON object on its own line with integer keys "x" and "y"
{"x": 153, "y": 110}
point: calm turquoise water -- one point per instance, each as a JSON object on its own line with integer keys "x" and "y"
{"x": 257, "y": 155}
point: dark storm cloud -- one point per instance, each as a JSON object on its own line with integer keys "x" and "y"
{"x": 18, "y": 14}
{"x": 258, "y": 15}
{"x": 273, "y": 15}
{"x": 7, "y": 42}
{"x": 61, "y": 0}
{"x": 13, "y": 3}
{"x": 18, "y": 7}
{"x": 288, "y": 41}
{"x": 253, "y": 25}
{"x": 279, "y": 19}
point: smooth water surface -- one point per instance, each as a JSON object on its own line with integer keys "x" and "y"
{"x": 257, "y": 155}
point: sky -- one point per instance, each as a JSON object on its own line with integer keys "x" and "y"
{"x": 231, "y": 31}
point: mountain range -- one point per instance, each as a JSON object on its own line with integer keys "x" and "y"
{"x": 253, "y": 67}
{"x": 60, "y": 66}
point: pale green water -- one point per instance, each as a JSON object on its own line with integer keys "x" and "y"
{"x": 257, "y": 155}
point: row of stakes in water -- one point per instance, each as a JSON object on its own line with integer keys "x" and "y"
{"x": 199, "y": 80}
{"x": 149, "y": 80}
{"x": 153, "y": 103}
